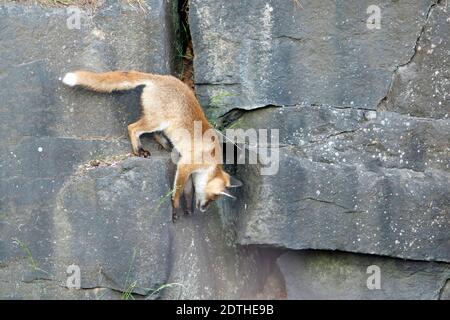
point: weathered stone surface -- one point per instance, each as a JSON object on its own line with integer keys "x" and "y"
{"x": 16, "y": 285}
{"x": 49, "y": 210}
{"x": 421, "y": 87}
{"x": 337, "y": 275}
{"x": 282, "y": 53}
{"x": 445, "y": 293}
{"x": 38, "y": 48}
{"x": 350, "y": 180}
{"x": 113, "y": 222}
{"x": 348, "y": 136}
{"x": 209, "y": 264}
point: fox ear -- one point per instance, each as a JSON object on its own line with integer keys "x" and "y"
{"x": 234, "y": 183}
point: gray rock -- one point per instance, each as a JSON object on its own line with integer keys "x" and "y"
{"x": 421, "y": 87}
{"x": 48, "y": 290}
{"x": 111, "y": 221}
{"x": 347, "y": 136}
{"x": 445, "y": 292}
{"x": 377, "y": 186}
{"x": 337, "y": 275}
{"x": 350, "y": 178}
{"x": 70, "y": 194}
{"x": 51, "y": 213}
{"x": 282, "y": 53}
{"x": 114, "y": 223}
{"x": 39, "y": 48}
{"x": 209, "y": 264}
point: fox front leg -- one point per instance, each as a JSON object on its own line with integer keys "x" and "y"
{"x": 181, "y": 177}
{"x": 188, "y": 196}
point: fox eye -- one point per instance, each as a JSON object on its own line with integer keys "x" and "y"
{"x": 214, "y": 197}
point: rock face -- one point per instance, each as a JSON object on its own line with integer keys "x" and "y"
{"x": 320, "y": 275}
{"x": 421, "y": 87}
{"x": 114, "y": 223}
{"x": 113, "y": 219}
{"x": 70, "y": 194}
{"x": 38, "y": 46}
{"x": 445, "y": 293}
{"x": 363, "y": 146}
{"x": 376, "y": 186}
{"x": 106, "y": 221}
{"x": 363, "y": 152}
{"x": 51, "y": 214}
{"x": 301, "y": 52}
{"x": 209, "y": 263}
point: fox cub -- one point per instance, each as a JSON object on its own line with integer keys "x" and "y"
{"x": 169, "y": 105}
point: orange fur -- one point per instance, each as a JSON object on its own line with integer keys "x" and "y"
{"x": 168, "y": 105}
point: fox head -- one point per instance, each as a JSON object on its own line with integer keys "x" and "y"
{"x": 209, "y": 186}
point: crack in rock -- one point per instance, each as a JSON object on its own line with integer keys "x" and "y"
{"x": 444, "y": 288}
{"x": 416, "y": 50}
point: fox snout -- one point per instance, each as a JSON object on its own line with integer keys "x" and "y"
{"x": 205, "y": 206}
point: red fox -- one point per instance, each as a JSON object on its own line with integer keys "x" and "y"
{"x": 167, "y": 106}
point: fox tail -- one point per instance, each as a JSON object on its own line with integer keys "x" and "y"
{"x": 108, "y": 81}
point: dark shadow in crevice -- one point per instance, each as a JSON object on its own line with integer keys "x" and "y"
{"x": 230, "y": 117}
{"x": 185, "y": 51}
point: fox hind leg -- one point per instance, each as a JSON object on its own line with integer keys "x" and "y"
{"x": 135, "y": 130}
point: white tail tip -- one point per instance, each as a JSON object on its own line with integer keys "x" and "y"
{"x": 70, "y": 79}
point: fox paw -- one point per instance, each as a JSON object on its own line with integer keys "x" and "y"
{"x": 174, "y": 216}
{"x": 143, "y": 153}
